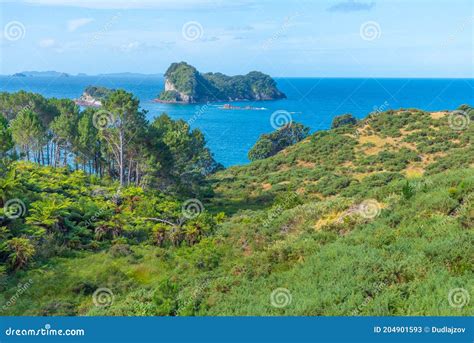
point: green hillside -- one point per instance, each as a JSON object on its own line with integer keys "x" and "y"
{"x": 371, "y": 218}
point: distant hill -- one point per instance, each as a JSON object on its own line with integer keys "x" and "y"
{"x": 41, "y": 73}
{"x": 56, "y": 74}
{"x": 185, "y": 84}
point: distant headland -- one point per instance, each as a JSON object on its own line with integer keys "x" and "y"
{"x": 185, "y": 84}
{"x": 49, "y": 73}
{"x": 93, "y": 96}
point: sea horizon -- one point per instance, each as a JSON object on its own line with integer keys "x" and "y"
{"x": 314, "y": 102}
{"x": 161, "y": 74}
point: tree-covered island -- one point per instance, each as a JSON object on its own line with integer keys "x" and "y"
{"x": 185, "y": 84}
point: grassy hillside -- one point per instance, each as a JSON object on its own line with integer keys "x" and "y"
{"x": 371, "y": 219}
{"x": 351, "y": 160}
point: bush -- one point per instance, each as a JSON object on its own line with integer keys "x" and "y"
{"x": 343, "y": 120}
{"x": 269, "y": 144}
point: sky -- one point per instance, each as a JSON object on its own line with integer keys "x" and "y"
{"x": 298, "y": 38}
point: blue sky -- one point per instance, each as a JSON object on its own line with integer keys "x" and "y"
{"x": 336, "y": 38}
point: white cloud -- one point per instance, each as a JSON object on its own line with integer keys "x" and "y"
{"x": 135, "y": 46}
{"x": 130, "y": 46}
{"x": 47, "y": 43}
{"x": 74, "y": 24}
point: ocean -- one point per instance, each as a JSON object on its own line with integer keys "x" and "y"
{"x": 311, "y": 101}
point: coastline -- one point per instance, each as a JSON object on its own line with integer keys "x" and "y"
{"x": 86, "y": 103}
{"x": 219, "y": 101}
{"x": 170, "y": 102}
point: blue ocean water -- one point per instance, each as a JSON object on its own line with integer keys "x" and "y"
{"x": 311, "y": 101}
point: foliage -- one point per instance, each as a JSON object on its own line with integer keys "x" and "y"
{"x": 294, "y": 220}
{"x": 28, "y": 132}
{"x": 21, "y": 251}
{"x": 6, "y": 140}
{"x": 189, "y": 85}
{"x": 270, "y": 144}
{"x": 97, "y": 92}
{"x": 115, "y": 140}
{"x": 343, "y": 120}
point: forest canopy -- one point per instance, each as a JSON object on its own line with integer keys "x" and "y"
{"x": 115, "y": 141}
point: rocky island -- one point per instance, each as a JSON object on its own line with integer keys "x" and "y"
{"x": 93, "y": 96}
{"x": 185, "y": 84}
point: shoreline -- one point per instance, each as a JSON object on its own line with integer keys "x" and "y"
{"x": 86, "y": 103}
{"x": 172, "y": 102}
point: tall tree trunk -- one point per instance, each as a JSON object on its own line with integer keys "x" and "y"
{"x": 137, "y": 175}
{"x": 129, "y": 177}
{"x": 47, "y": 154}
{"x": 121, "y": 176}
{"x": 57, "y": 155}
{"x": 65, "y": 157}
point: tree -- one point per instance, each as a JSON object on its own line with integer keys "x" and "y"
{"x": 182, "y": 153}
{"x": 13, "y": 103}
{"x": 343, "y": 120}
{"x": 166, "y": 154}
{"x": 269, "y": 144}
{"x": 88, "y": 143}
{"x": 6, "y": 140}
{"x": 27, "y": 131}
{"x": 64, "y": 128}
{"x": 127, "y": 127}
{"x": 263, "y": 148}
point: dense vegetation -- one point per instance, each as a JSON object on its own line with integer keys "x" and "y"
{"x": 373, "y": 218}
{"x": 98, "y": 93}
{"x": 115, "y": 141}
{"x": 270, "y": 144}
{"x": 185, "y": 84}
{"x": 344, "y": 119}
